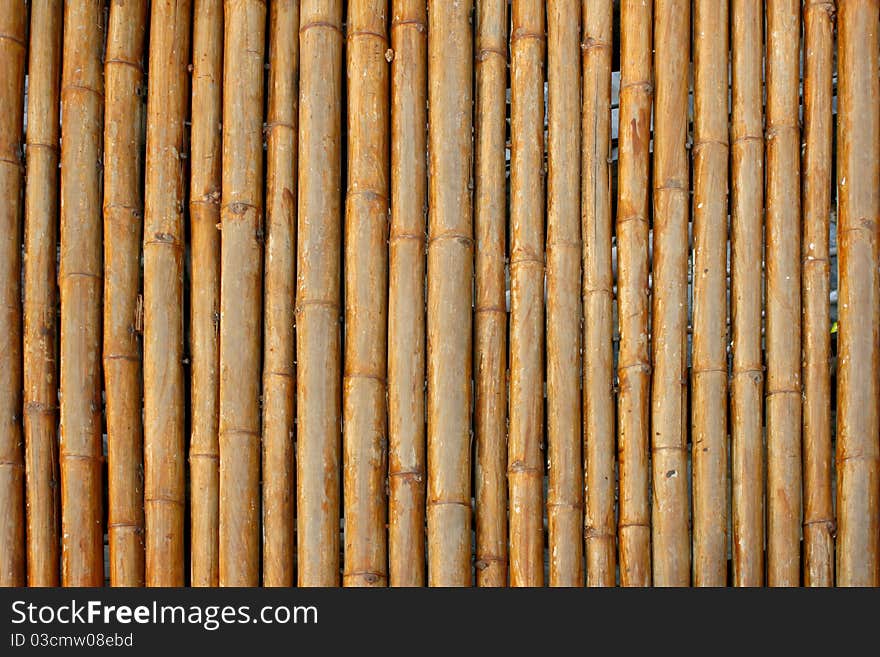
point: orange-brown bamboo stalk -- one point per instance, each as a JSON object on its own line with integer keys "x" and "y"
{"x": 709, "y": 371}
{"x": 858, "y": 197}
{"x": 40, "y": 294}
{"x": 525, "y": 459}
{"x": 490, "y": 311}
{"x": 164, "y": 192}
{"x": 366, "y": 301}
{"x": 598, "y": 295}
{"x": 634, "y": 365}
{"x": 318, "y": 294}
{"x": 204, "y": 212}
{"x": 450, "y": 280}
{"x": 13, "y": 50}
{"x": 80, "y": 280}
{"x": 818, "y": 509}
{"x": 746, "y": 383}
{"x": 783, "y": 343}
{"x": 241, "y": 214}
{"x": 671, "y": 544}
{"x": 278, "y": 341}
{"x": 123, "y": 212}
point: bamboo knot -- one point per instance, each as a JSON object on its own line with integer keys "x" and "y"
{"x": 414, "y": 22}
{"x": 591, "y": 43}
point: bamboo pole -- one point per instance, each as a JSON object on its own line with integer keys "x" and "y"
{"x": 241, "y": 215}
{"x": 450, "y": 280}
{"x": 13, "y": 50}
{"x": 783, "y": 344}
{"x": 671, "y": 544}
{"x": 598, "y": 295}
{"x": 80, "y": 281}
{"x": 123, "y": 212}
{"x": 818, "y": 509}
{"x": 746, "y": 383}
{"x": 709, "y": 371}
{"x": 634, "y": 365}
{"x": 204, "y": 211}
{"x": 858, "y": 142}
{"x": 366, "y": 301}
{"x": 280, "y": 265}
{"x": 318, "y": 293}
{"x": 490, "y": 311}
{"x": 40, "y": 294}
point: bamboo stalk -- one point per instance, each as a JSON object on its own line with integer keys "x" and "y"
{"x": 818, "y": 509}
{"x": 13, "y": 49}
{"x": 783, "y": 343}
{"x": 858, "y": 189}
{"x": 490, "y": 311}
{"x": 709, "y": 371}
{"x": 366, "y": 301}
{"x": 746, "y": 384}
{"x": 40, "y": 294}
{"x": 634, "y": 365}
{"x": 278, "y": 349}
{"x": 450, "y": 280}
{"x": 241, "y": 214}
{"x": 671, "y": 549}
{"x": 204, "y": 211}
{"x": 318, "y": 293}
{"x": 598, "y": 295}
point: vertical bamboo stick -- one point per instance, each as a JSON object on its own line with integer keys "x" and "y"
{"x": 783, "y": 344}
{"x": 490, "y": 312}
{"x": 671, "y": 549}
{"x": 204, "y": 212}
{"x": 746, "y": 383}
{"x": 318, "y": 294}
{"x": 366, "y": 301}
{"x": 40, "y": 294}
{"x": 241, "y": 215}
{"x": 858, "y": 197}
{"x": 634, "y": 365}
{"x": 450, "y": 280}
{"x": 80, "y": 280}
{"x": 280, "y": 265}
{"x": 709, "y": 372}
{"x": 13, "y": 50}
{"x": 599, "y": 438}
{"x": 818, "y": 510}
{"x": 123, "y": 212}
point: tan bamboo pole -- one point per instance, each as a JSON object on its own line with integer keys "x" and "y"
{"x": 40, "y": 294}
{"x": 241, "y": 216}
{"x": 709, "y": 371}
{"x": 366, "y": 301}
{"x": 671, "y": 544}
{"x": 858, "y": 197}
{"x": 746, "y": 382}
{"x": 450, "y": 280}
{"x": 318, "y": 294}
{"x": 490, "y": 311}
{"x": 634, "y": 365}
{"x": 123, "y": 212}
{"x": 13, "y": 52}
{"x": 204, "y": 212}
{"x": 818, "y": 509}
{"x": 280, "y": 265}
{"x": 783, "y": 343}
{"x": 406, "y": 295}
{"x": 80, "y": 281}
{"x": 598, "y": 295}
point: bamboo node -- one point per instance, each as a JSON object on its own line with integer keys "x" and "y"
{"x": 523, "y": 33}
{"x": 414, "y": 22}
{"x": 484, "y": 53}
{"x": 591, "y": 43}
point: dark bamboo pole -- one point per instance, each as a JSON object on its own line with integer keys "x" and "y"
{"x": 123, "y": 213}
{"x": 80, "y": 280}
{"x": 40, "y": 294}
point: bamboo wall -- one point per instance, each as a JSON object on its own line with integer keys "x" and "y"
{"x": 408, "y": 292}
